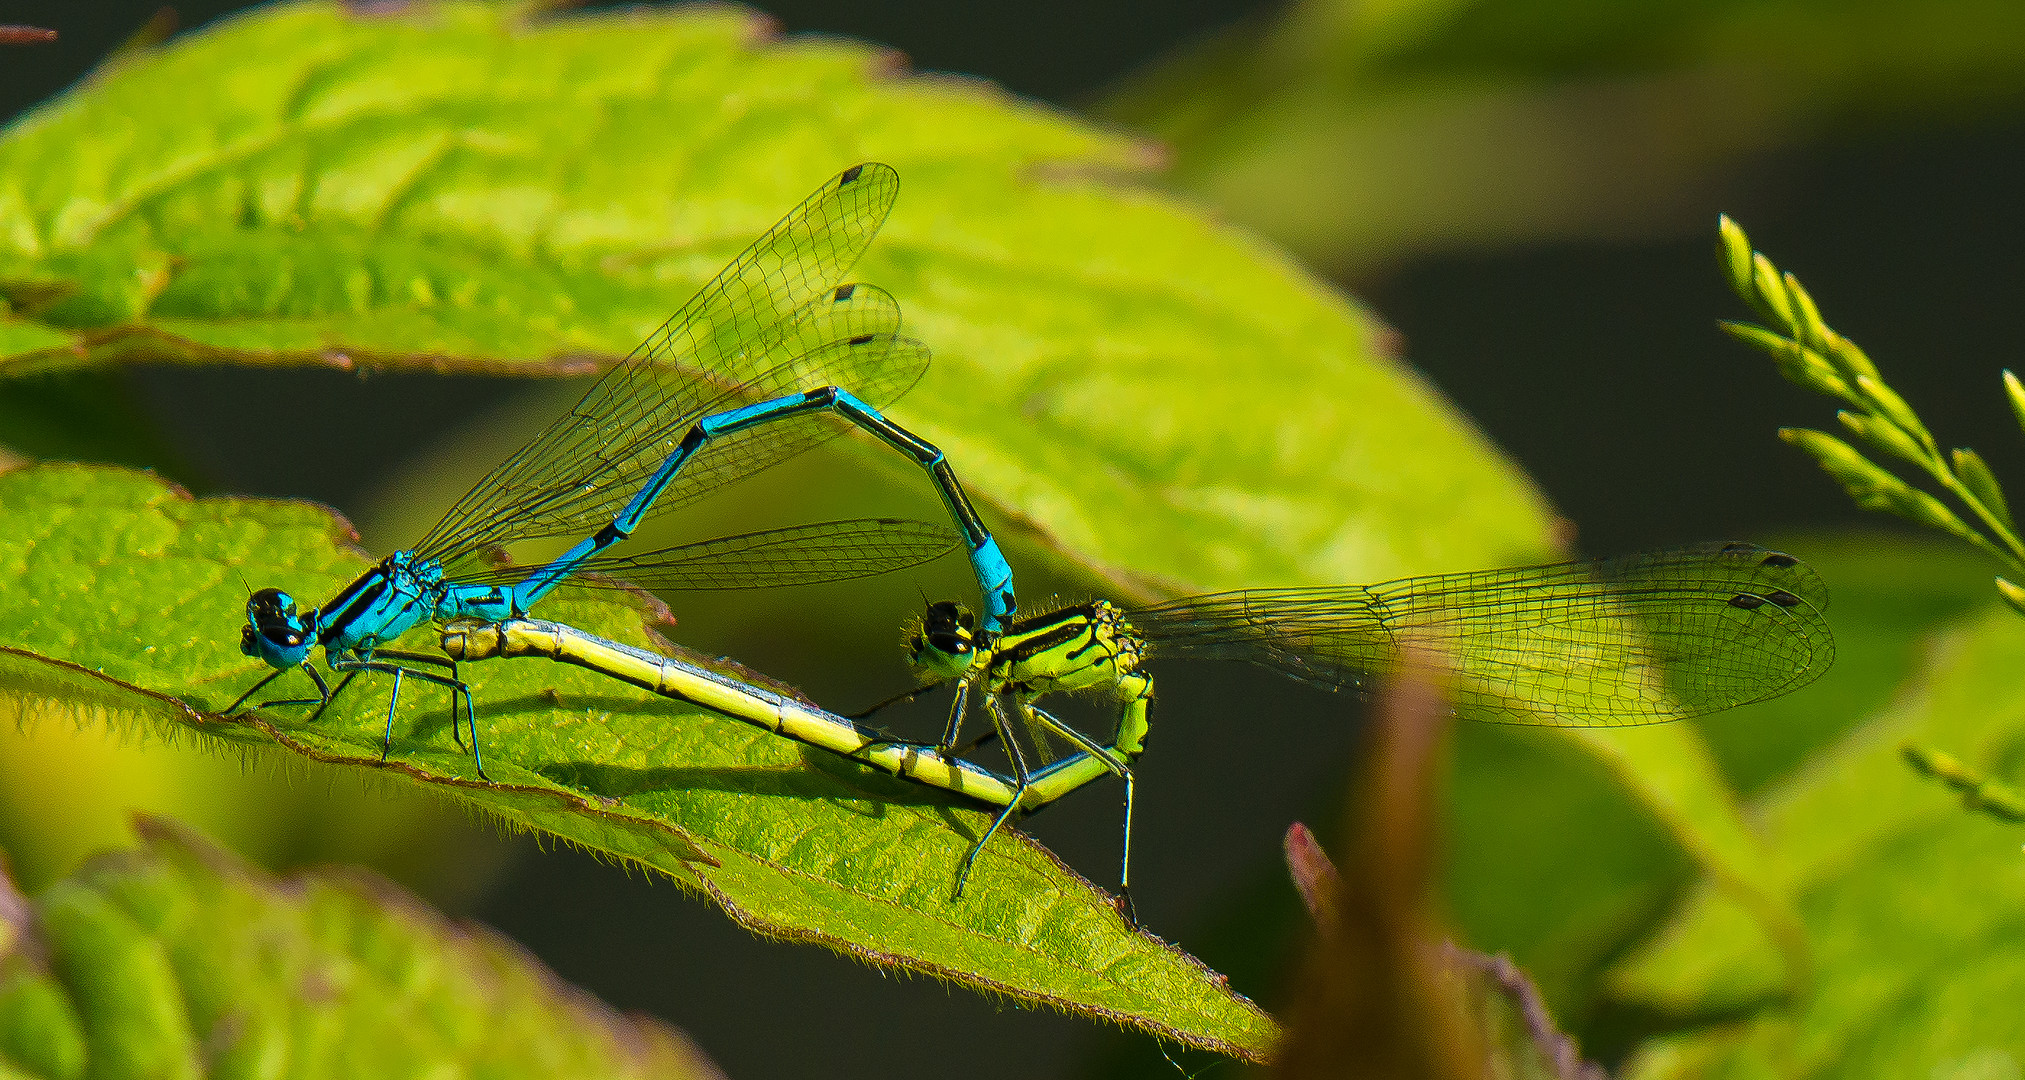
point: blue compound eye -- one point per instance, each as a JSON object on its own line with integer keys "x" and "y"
{"x": 274, "y": 631}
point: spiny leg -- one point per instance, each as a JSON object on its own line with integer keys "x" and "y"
{"x": 234, "y": 707}
{"x": 975, "y": 744}
{"x": 887, "y": 738}
{"x": 332, "y": 696}
{"x": 471, "y": 718}
{"x": 321, "y": 702}
{"x": 440, "y": 661}
{"x": 323, "y": 691}
{"x": 999, "y": 719}
{"x": 352, "y": 667}
{"x": 896, "y": 699}
{"x": 957, "y": 707}
{"x": 1118, "y": 768}
{"x": 393, "y": 700}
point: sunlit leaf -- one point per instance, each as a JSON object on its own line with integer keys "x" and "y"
{"x": 459, "y": 188}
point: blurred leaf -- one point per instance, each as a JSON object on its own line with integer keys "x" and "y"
{"x": 1357, "y": 133}
{"x": 1380, "y": 994}
{"x": 1910, "y": 900}
{"x": 1561, "y": 861}
{"x": 19, "y": 337}
{"x": 178, "y": 960}
{"x": 460, "y": 188}
{"x": 1673, "y": 770}
{"x": 135, "y": 587}
{"x": 1551, "y": 858}
{"x": 1517, "y": 1025}
{"x": 1376, "y": 996}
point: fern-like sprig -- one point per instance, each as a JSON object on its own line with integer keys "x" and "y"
{"x": 1809, "y": 352}
{"x": 1979, "y": 792}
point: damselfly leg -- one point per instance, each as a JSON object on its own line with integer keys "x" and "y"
{"x": 352, "y": 666}
{"x": 1119, "y": 768}
{"x": 323, "y": 690}
{"x": 1000, "y": 718}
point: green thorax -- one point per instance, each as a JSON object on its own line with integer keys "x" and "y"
{"x": 1088, "y": 647}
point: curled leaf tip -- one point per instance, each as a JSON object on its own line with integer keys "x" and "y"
{"x": 2012, "y": 594}
{"x": 2015, "y": 392}
{"x": 1314, "y": 874}
{"x": 1734, "y": 248}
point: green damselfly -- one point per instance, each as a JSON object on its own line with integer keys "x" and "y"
{"x": 1636, "y": 639}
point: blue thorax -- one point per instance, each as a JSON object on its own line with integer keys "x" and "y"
{"x": 385, "y": 602}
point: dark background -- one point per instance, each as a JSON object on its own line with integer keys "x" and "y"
{"x": 1596, "y": 366}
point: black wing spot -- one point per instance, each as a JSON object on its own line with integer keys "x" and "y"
{"x": 1783, "y": 598}
{"x": 844, "y": 292}
{"x": 1747, "y": 601}
{"x": 1780, "y": 559}
{"x": 861, "y": 339}
{"x": 850, "y": 175}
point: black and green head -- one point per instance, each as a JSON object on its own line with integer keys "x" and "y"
{"x": 944, "y": 642}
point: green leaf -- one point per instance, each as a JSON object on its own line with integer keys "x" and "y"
{"x": 136, "y": 587}
{"x": 1980, "y": 793}
{"x": 1799, "y": 364}
{"x": 1910, "y": 900}
{"x": 1892, "y": 407}
{"x": 1734, "y": 253}
{"x": 1560, "y": 851}
{"x": 1884, "y": 436}
{"x": 2012, "y": 594}
{"x": 21, "y": 340}
{"x": 2014, "y": 392}
{"x": 177, "y": 960}
{"x": 1870, "y": 486}
{"x": 460, "y": 188}
{"x": 1808, "y": 327}
{"x": 1975, "y": 474}
{"x": 1363, "y": 134}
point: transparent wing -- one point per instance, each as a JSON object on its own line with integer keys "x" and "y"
{"x": 747, "y": 335}
{"x": 876, "y": 366}
{"x": 1633, "y": 640}
{"x": 799, "y": 555}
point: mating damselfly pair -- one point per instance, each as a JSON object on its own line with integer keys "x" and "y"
{"x": 777, "y": 354}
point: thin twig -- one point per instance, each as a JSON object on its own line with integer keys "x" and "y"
{"x": 11, "y": 34}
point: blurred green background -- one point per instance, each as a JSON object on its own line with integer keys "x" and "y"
{"x": 1525, "y": 191}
